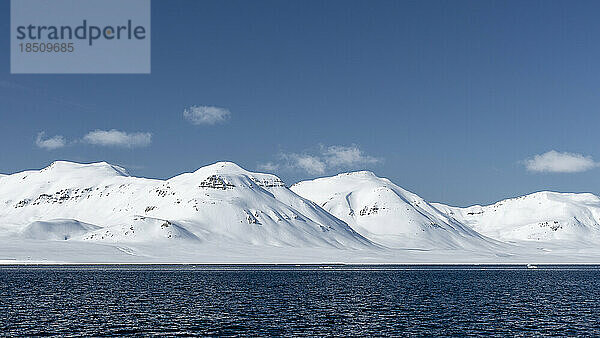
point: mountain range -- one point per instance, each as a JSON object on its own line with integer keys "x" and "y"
{"x": 222, "y": 213}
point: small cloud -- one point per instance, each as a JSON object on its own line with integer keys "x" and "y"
{"x": 327, "y": 158}
{"x": 269, "y": 166}
{"x": 51, "y": 143}
{"x": 118, "y": 138}
{"x": 310, "y": 164}
{"x": 337, "y": 156}
{"x": 557, "y": 162}
{"x": 206, "y": 115}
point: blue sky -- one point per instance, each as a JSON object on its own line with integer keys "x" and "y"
{"x": 448, "y": 99}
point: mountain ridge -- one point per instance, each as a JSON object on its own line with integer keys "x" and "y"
{"x": 223, "y": 210}
{"x": 220, "y": 202}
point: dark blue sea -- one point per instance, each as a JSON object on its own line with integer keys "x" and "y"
{"x": 300, "y": 300}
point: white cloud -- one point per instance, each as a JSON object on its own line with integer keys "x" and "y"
{"x": 326, "y": 158}
{"x": 206, "y": 114}
{"x": 557, "y": 162}
{"x": 268, "y": 166}
{"x": 346, "y": 156}
{"x": 51, "y": 143}
{"x": 310, "y": 164}
{"x": 118, "y": 138}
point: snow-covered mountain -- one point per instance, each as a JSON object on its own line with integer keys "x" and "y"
{"x": 220, "y": 203}
{"x": 71, "y": 212}
{"x": 565, "y": 218}
{"x": 387, "y": 214}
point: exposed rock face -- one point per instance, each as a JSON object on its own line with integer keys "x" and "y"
{"x": 216, "y": 182}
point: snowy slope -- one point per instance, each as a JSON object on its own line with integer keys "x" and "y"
{"x": 539, "y": 217}
{"x": 388, "y": 214}
{"x": 141, "y": 229}
{"x": 219, "y": 203}
{"x": 57, "y": 229}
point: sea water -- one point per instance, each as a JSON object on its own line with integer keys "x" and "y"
{"x": 299, "y": 300}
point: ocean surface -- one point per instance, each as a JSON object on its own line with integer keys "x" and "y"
{"x": 300, "y": 300}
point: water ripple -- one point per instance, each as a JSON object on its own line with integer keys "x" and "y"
{"x": 174, "y": 301}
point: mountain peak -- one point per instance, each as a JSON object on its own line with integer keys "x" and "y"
{"x": 228, "y": 173}
{"x": 349, "y": 180}
{"x": 546, "y": 195}
{"x": 222, "y": 168}
{"x": 97, "y": 167}
{"x": 226, "y": 166}
{"x": 360, "y": 173}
